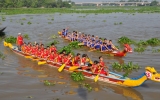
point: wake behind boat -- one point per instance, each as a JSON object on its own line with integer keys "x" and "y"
{"x": 113, "y": 78}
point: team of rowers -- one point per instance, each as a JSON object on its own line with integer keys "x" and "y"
{"x": 50, "y": 53}
{"x": 93, "y": 42}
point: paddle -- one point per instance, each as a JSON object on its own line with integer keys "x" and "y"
{"x": 41, "y": 62}
{"x": 62, "y": 67}
{"x": 96, "y": 78}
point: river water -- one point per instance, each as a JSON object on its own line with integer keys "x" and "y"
{"x": 21, "y": 78}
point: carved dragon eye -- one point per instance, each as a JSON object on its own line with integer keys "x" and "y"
{"x": 154, "y": 72}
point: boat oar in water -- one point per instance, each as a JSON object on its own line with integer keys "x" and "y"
{"x": 96, "y": 78}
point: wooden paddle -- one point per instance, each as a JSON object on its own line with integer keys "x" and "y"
{"x": 41, "y": 62}
{"x": 62, "y": 67}
{"x": 96, "y": 78}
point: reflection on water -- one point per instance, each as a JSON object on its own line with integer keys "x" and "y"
{"x": 127, "y": 92}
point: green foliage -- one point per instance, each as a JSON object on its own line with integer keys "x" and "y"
{"x": 139, "y": 49}
{"x": 29, "y": 23}
{"x": 77, "y": 76}
{"x": 87, "y": 86}
{"x": 34, "y": 3}
{"x": 68, "y": 49}
{"x": 48, "y": 83}
{"x": 26, "y": 36}
{"x": 142, "y": 43}
{"x": 125, "y": 67}
{"x": 125, "y": 40}
{"x": 54, "y": 41}
{"x": 153, "y": 42}
{"x": 10, "y": 39}
{"x": 154, "y": 3}
{"x": 2, "y": 56}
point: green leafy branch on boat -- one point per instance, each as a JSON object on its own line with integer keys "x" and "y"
{"x": 10, "y": 39}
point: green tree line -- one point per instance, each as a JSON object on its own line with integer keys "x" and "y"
{"x": 35, "y": 3}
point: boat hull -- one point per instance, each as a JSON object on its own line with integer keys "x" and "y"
{"x": 112, "y": 78}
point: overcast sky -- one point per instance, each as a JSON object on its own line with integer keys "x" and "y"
{"x": 102, "y": 0}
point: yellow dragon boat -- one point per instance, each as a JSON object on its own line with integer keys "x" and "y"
{"x": 149, "y": 74}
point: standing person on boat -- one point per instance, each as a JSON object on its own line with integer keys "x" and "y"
{"x": 76, "y": 60}
{"x": 19, "y": 41}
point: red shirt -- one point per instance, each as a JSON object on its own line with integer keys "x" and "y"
{"x": 45, "y": 55}
{"x": 33, "y": 51}
{"x": 53, "y": 49}
{"x": 38, "y": 53}
{"x": 20, "y": 40}
{"x": 59, "y": 59}
{"x": 51, "y": 57}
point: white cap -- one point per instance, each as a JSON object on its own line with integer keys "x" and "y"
{"x": 79, "y": 32}
{"x": 19, "y": 33}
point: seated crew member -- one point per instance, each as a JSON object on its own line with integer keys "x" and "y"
{"x": 37, "y": 46}
{"x": 53, "y": 48}
{"x": 38, "y": 53}
{"x": 33, "y": 50}
{"x": 104, "y": 47}
{"x": 44, "y": 54}
{"x": 76, "y": 60}
{"x": 102, "y": 65}
{"x": 92, "y": 46}
{"x": 97, "y": 46}
{"x": 28, "y": 48}
{"x": 109, "y": 45}
{"x": 95, "y": 67}
{"x": 51, "y": 56}
{"x": 66, "y": 60}
{"x": 23, "y": 47}
{"x": 42, "y": 47}
{"x": 84, "y": 60}
{"x": 48, "y": 50}
{"x": 59, "y": 57}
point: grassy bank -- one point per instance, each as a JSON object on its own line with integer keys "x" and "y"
{"x": 146, "y": 9}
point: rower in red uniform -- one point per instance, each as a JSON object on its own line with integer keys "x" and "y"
{"x": 33, "y": 50}
{"x": 51, "y": 56}
{"x": 76, "y": 60}
{"x": 84, "y": 60}
{"x": 44, "y": 54}
{"x": 19, "y": 41}
{"x": 53, "y": 48}
{"x": 42, "y": 47}
{"x": 66, "y": 60}
{"x": 48, "y": 50}
{"x": 37, "y": 46}
{"x": 102, "y": 65}
{"x": 38, "y": 53}
{"x": 23, "y": 47}
{"x": 59, "y": 57}
{"x": 28, "y": 48}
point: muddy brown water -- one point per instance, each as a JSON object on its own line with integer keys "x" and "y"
{"x": 21, "y": 78}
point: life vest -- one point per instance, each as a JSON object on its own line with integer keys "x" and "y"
{"x": 83, "y": 61}
{"x": 59, "y": 59}
{"x": 102, "y": 63}
{"x": 20, "y": 40}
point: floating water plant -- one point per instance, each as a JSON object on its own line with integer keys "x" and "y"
{"x": 48, "y": 83}
{"x": 142, "y": 43}
{"x": 139, "y": 49}
{"x": 124, "y": 40}
{"x": 26, "y": 36}
{"x": 2, "y": 56}
{"x": 153, "y": 42}
{"x": 77, "y": 76}
{"x": 49, "y": 22}
{"x": 125, "y": 67}
{"x": 29, "y": 23}
{"x": 54, "y": 41}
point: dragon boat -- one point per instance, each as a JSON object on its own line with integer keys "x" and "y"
{"x": 112, "y": 53}
{"x": 113, "y": 78}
